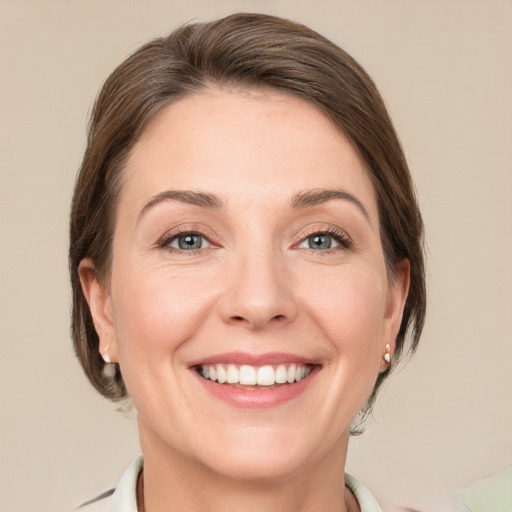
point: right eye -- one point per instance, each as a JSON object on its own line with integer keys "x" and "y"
{"x": 187, "y": 242}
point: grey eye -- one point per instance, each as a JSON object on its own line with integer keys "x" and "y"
{"x": 319, "y": 242}
{"x": 188, "y": 242}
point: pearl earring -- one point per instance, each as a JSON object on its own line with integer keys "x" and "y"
{"x": 387, "y": 354}
{"x": 106, "y": 356}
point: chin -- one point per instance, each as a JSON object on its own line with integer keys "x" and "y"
{"x": 267, "y": 457}
{"x": 258, "y": 467}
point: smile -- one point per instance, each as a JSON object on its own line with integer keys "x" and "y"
{"x": 255, "y": 380}
{"x": 247, "y": 375}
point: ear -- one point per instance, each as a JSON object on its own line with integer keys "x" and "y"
{"x": 100, "y": 305}
{"x": 398, "y": 291}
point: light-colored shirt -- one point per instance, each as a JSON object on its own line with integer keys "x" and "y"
{"x": 124, "y": 498}
{"x": 492, "y": 494}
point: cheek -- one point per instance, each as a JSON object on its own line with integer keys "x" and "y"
{"x": 156, "y": 310}
{"x": 349, "y": 307}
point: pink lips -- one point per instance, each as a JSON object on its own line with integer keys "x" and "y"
{"x": 257, "y": 396}
{"x": 253, "y": 359}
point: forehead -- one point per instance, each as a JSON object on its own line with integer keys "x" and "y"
{"x": 267, "y": 144}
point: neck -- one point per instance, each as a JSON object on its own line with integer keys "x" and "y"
{"x": 173, "y": 481}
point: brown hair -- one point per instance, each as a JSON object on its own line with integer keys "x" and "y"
{"x": 241, "y": 50}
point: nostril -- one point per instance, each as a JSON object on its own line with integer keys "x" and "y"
{"x": 258, "y": 319}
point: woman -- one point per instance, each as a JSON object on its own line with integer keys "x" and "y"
{"x": 246, "y": 263}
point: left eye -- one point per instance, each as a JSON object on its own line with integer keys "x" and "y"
{"x": 320, "y": 242}
{"x": 187, "y": 242}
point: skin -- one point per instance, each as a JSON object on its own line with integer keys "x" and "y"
{"x": 255, "y": 286}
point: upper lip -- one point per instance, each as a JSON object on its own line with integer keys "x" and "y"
{"x": 241, "y": 358}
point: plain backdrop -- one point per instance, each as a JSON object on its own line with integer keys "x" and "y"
{"x": 445, "y": 71}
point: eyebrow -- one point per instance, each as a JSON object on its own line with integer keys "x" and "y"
{"x": 202, "y": 199}
{"x": 302, "y": 199}
{"x": 319, "y": 195}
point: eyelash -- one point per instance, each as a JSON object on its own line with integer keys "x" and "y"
{"x": 169, "y": 238}
{"x": 337, "y": 235}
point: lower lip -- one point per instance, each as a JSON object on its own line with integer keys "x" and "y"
{"x": 257, "y": 398}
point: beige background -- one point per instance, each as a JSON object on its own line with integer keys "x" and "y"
{"x": 445, "y": 70}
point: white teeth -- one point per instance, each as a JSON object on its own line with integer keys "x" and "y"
{"x": 221, "y": 374}
{"x": 247, "y": 375}
{"x": 232, "y": 374}
{"x": 266, "y": 376}
{"x": 291, "y": 374}
{"x": 281, "y": 374}
{"x": 250, "y": 376}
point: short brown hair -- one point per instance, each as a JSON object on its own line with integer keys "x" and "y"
{"x": 241, "y": 50}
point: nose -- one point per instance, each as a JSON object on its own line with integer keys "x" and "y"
{"x": 259, "y": 292}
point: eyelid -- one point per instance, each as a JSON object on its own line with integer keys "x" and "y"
{"x": 340, "y": 235}
{"x": 170, "y": 242}
{"x": 187, "y": 229}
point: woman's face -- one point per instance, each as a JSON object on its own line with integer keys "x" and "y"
{"x": 246, "y": 249}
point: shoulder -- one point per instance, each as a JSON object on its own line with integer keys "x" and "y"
{"x": 121, "y": 499}
{"x": 367, "y": 503}
{"x": 101, "y": 503}
{"x": 449, "y": 503}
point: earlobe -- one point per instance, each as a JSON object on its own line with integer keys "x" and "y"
{"x": 100, "y": 305}
{"x": 399, "y": 290}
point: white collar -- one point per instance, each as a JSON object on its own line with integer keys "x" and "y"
{"x": 125, "y": 496}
